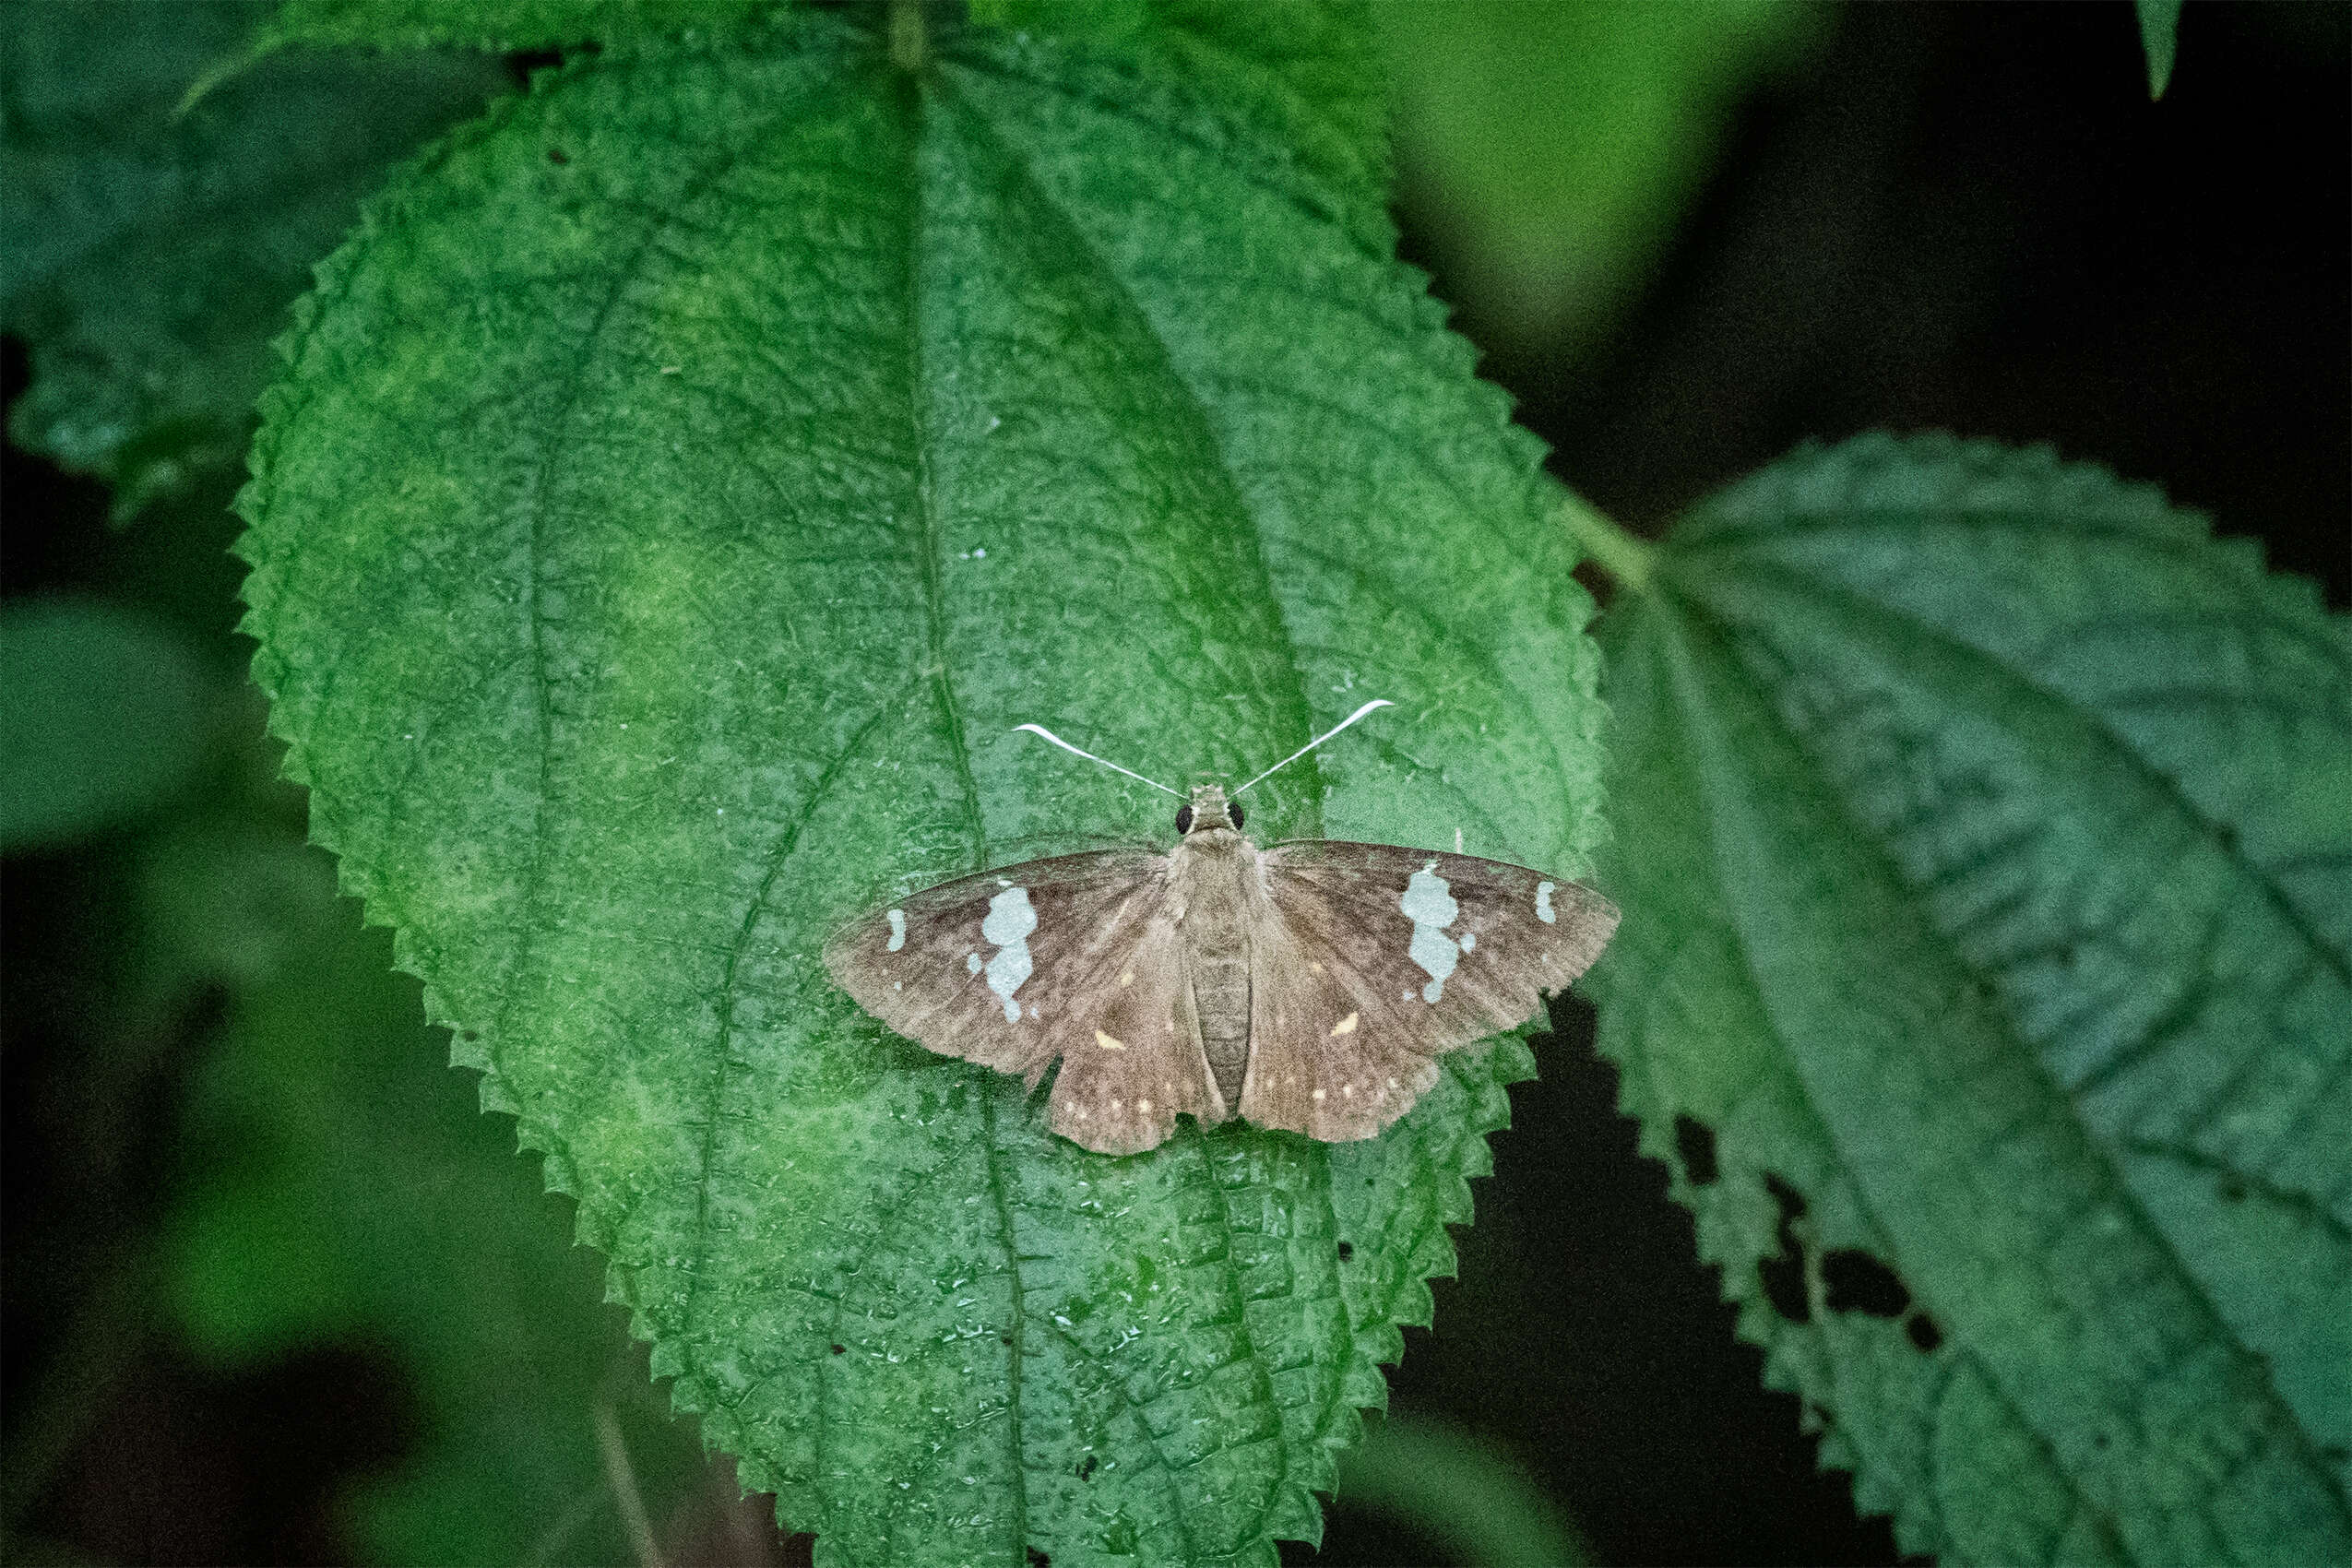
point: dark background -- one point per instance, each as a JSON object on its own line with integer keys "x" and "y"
{"x": 1964, "y": 218}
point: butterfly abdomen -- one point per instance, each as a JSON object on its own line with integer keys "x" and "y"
{"x": 1220, "y": 869}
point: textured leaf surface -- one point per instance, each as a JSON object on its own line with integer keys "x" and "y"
{"x": 654, "y": 546}
{"x": 104, "y": 715}
{"x": 151, "y": 258}
{"x": 1983, "y": 842}
{"x": 348, "y": 1190}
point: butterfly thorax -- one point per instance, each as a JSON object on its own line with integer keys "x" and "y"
{"x": 1216, "y": 886}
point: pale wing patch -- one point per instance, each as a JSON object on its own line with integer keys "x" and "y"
{"x": 897, "y": 919}
{"x": 1543, "y": 903}
{"x": 1428, "y": 904}
{"x": 1010, "y": 920}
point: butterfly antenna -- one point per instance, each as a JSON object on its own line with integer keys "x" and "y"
{"x": 1041, "y": 730}
{"x": 1376, "y": 702}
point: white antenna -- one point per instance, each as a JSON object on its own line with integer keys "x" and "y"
{"x": 1376, "y": 702}
{"x": 1041, "y": 730}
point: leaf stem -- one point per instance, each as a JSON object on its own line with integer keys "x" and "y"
{"x": 1612, "y": 549}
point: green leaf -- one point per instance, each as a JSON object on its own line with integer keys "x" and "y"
{"x": 2159, "y": 37}
{"x": 1550, "y": 146}
{"x": 152, "y": 257}
{"x": 105, "y": 716}
{"x": 653, "y": 551}
{"x": 1315, "y": 64}
{"x": 1459, "y": 1491}
{"x": 345, "y": 1189}
{"x": 1982, "y": 843}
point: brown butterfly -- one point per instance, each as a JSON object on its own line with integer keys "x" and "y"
{"x": 1309, "y": 986}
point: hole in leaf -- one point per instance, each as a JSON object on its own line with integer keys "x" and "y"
{"x": 1695, "y": 1140}
{"x": 1086, "y": 1468}
{"x": 1038, "y": 1559}
{"x": 1925, "y": 1334}
{"x": 839, "y": 1348}
{"x": 1346, "y": 1251}
{"x": 1858, "y": 1282}
{"x": 1783, "y": 1275}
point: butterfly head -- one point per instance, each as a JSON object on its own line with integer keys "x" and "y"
{"x": 1208, "y": 810}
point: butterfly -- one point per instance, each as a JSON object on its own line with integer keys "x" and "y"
{"x": 1308, "y": 986}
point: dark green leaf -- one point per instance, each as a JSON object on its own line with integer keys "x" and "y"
{"x": 2159, "y": 37}
{"x": 150, "y": 257}
{"x": 102, "y": 716}
{"x": 1983, "y": 841}
{"x": 653, "y": 552}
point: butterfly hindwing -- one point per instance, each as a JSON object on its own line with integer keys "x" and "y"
{"x": 1371, "y": 960}
{"x": 1013, "y": 968}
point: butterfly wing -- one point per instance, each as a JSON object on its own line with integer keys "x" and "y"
{"x": 1370, "y": 960}
{"x": 1076, "y": 957}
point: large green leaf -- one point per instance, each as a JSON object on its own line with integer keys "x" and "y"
{"x": 1983, "y": 846}
{"x": 152, "y": 256}
{"x": 677, "y": 494}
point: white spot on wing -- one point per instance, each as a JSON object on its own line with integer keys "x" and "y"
{"x": 1543, "y": 902}
{"x": 971, "y": 962}
{"x": 1428, "y": 904}
{"x": 1009, "y": 922}
{"x": 1346, "y": 1025}
{"x": 1470, "y": 942}
{"x": 1108, "y": 1042}
{"x": 897, "y": 919}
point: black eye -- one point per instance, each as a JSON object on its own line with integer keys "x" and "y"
{"x": 1233, "y": 810}
{"x": 1183, "y": 819}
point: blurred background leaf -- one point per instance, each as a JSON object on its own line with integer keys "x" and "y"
{"x": 2159, "y": 39}
{"x": 1550, "y": 147}
{"x": 345, "y": 1186}
{"x": 152, "y": 255}
{"x": 106, "y": 714}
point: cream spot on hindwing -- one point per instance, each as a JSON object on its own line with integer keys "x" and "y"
{"x": 1543, "y": 902}
{"x": 1108, "y": 1042}
{"x": 1142, "y": 1108}
{"x": 1010, "y": 920}
{"x": 1346, "y": 1025}
{"x": 897, "y": 919}
{"x": 1318, "y": 1094}
{"x": 1470, "y": 942}
{"x": 1428, "y": 904}
{"x": 1126, "y": 976}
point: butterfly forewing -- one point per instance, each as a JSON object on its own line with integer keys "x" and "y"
{"x": 1072, "y": 957}
{"x": 1374, "y": 960}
